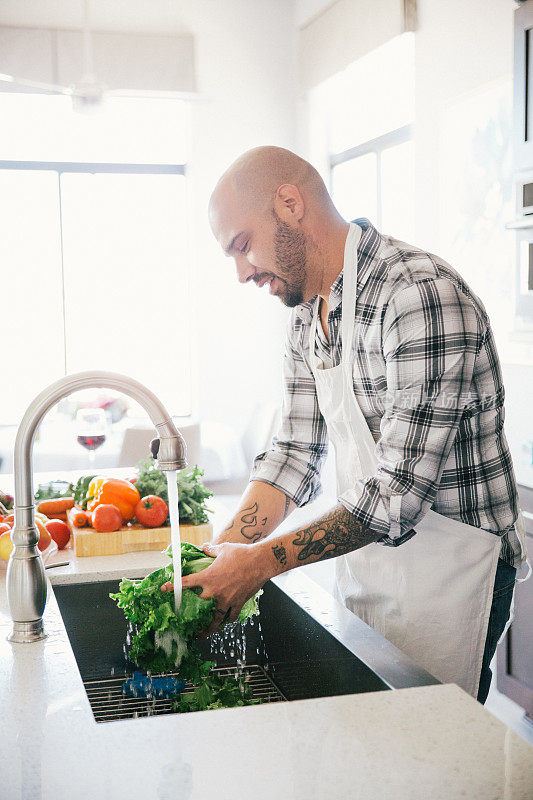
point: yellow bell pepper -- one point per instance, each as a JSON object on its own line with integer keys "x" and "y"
{"x": 114, "y": 491}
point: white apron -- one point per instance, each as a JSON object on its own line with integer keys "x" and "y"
{"x": 431, "y": 596}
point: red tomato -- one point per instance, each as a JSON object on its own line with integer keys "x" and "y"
{"x": 151, "y": 511}
{"x": 59, "y": 531}
{"x": 106, "y": 518}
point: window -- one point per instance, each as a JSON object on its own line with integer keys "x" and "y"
{"x": 94, "y": 246}
{"x": 363, "y": 116}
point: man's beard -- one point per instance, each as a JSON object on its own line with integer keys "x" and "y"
{"x": 290, "y": 250}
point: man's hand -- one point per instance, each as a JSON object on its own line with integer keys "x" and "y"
{"x": 239, "y": 570}
{"x": 236, "y": 575}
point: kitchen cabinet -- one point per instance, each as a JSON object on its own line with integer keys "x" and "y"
{"x": 515, "y": 651}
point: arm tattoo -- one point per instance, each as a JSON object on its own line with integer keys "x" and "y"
{"x": 335, "y": 534}
{"x": 250, "y": 521}
{"x": 252, "y": 530}
{"x": 280, "y": 553}
{"x": 250, "y": 524}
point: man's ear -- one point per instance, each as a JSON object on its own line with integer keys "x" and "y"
{"x": 288, "y": 203}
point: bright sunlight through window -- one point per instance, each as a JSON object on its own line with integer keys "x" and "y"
{"x": 94, "y": 245}
{"x": 363, "y": 117}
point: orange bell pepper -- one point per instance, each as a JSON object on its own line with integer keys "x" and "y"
{"x": 115, "y": 492}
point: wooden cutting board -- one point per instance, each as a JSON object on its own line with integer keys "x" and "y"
{"x": 131, "y": 538}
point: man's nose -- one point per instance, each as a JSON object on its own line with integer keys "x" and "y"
{"x": 245, "y": 270}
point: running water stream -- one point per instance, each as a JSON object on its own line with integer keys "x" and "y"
{"x": 173, "y": 510}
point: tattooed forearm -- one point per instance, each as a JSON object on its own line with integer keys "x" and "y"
{"x": 262, "y": 508}
{"x": 334, "y": 534}
{"x": 249, "y": 523}
{"x": 280, "y": 553}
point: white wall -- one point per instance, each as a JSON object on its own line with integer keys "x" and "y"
{"x": 245, "y": 52}
{"x": 306, "y": 10}
{"x": 459, "y": 48}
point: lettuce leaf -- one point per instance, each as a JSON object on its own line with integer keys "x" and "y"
{"x": 161, "y": 640}
{"x": 215, "y": 691}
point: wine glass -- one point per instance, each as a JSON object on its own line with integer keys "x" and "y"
{"x": 91, "y": 429}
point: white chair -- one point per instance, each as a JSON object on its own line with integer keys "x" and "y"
{"x": 136, "y": 443}
{"x": 227, "y": 456}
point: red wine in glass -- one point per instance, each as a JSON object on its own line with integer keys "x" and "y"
{"x": 91, "y": 442}
{"x": 91, "y": 429}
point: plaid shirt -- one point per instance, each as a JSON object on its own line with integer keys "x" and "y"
{"x": 427, "y": 377}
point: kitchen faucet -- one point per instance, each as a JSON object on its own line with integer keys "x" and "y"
{"x": 26, "y": 582}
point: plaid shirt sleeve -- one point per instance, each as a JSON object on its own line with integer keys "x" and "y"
{"x": 293, "y": 462}
{"x": 431, "y": 336}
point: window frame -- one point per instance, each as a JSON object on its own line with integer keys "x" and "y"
{"x": 377, "y": 146}
{"x": 92, "y": 168}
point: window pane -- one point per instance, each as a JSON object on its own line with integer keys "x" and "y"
{"x": 398, "y": 192}
{"x": 126, "y": 280}
{"x": 354, "y": 188}
{"x": 31, "y": 322}
{"x": 373, "y": 96}
{"x": 123, "y": 130}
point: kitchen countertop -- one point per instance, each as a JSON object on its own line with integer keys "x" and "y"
{"x": 428, "y": 742}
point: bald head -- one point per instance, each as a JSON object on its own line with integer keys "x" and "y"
{"x": 255, "y": 177}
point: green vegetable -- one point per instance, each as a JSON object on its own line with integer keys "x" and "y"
{"x": 162, "y": 639}
{"x": 79, "y": 490}
{"x": 56, "y": 489}
{"x": 215, "y": 692}
{"x": 52, "y": 490}
{"x": 191, "y": 491}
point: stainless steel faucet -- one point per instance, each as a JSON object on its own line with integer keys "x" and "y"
{"x": 26, "y": 583}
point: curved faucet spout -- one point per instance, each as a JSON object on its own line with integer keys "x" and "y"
{"x": 26, "y": 584}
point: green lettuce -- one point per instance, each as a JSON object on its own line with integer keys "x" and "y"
{"x": 161, "y": 641}
{"x": 215, "y": 691}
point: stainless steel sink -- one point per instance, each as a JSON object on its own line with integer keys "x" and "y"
{"x": 303, "y": 644}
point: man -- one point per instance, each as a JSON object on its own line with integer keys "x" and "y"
{"x": 390, "y": 356}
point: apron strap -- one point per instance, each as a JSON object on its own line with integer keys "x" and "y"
{"x": 363, "y": 453}
{"x": 349, "y": 297}
{"x": 313, "y": 358}
{"x": 349, "y": 291}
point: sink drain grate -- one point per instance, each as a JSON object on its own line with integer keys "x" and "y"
{"x": 108, "y": 703}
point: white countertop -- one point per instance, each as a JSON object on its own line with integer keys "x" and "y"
{"x": 423, "y": 744}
